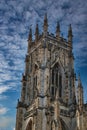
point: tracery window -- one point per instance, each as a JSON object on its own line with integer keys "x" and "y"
{"x": 34, "y": 85}
{"x": 35, "y": 80}
{"x": 56, "y": 81}
{"x": 29, "y": 127}
{"x": 53, "y": 126}
{"x": 60, "y": 85}
{"x": 53, "y": 76}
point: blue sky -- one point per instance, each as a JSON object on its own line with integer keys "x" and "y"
{"x": 16, "y": 16}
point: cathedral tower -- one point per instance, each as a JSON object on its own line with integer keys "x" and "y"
{"x": 48, "y": 98}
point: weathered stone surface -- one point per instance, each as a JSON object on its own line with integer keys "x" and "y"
{"x": 48, "y": 96}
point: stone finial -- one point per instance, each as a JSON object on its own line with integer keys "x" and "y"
{"x": 30, "y": 35}
{"x": 58, "y": 30}
{"x": 29, "y": 40}
{"x": 45, "y": 26}
{"x": 36, "y": 33}
{"x": 80, "y": 93}
{"x": 70, "y": 34}
{"x": 79, "y": 81}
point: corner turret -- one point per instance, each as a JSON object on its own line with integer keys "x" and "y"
{"x": 58, "y": 31}
{"x": 45, "y": 26}
{"x": 80, "y": 93}
{"x": 29, "y": 39}
{"x": 70, "y": 35}
{"x": 36, "y": 33}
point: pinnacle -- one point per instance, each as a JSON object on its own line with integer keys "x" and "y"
{"x": 79, "y": 81}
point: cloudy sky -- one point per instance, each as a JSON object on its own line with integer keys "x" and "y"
{"x": 16, "y": 16}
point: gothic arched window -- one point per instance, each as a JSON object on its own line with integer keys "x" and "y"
{"x": 34, "y": 85}
{"x": 53, "y": 76}
{"x": 56, "y": 81}
{"x": 35, "y": 79}
{"x": 53, "y": 126}
{"x": 60, "y": 85}
{"x": 29, "y": 127}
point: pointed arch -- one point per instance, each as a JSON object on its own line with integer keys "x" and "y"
{"x": 63, "y": 125}
{"x": 30, "y": 125}
{"x": 56, "y": 79}
{"x": 53, "y": 125}
{"x": 58, "y": 61}
{"x": 36, "y": 66}
{"x": 35, "y": 79}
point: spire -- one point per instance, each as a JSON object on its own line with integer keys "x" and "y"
{"x": 36, "y": 33}
{"x": 45, "y": 26}
{"x": 70, "y": 34}
{"x": 79, "y": 81}
{"x": 30, "y": 35}
{"x": 58, "y": 30}
{"x": 80, "y": 93}
{"x": 29, "y": 39}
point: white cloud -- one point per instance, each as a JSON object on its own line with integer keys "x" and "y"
{"x": 3, "y": 110}
{"x": 3, "y": 89}
{"x": 15, "y": 20}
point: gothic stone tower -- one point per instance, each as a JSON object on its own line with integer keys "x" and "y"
{"x": 48, "y": 99}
